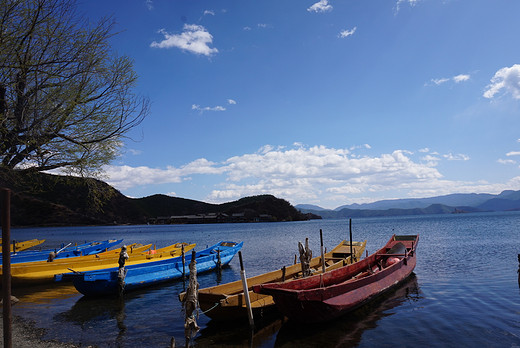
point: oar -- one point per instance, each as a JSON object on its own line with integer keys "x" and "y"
{"x": 65, "y": 247}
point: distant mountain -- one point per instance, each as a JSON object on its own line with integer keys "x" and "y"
{"x": 453, "y": 200}
{"x": 454, "y": 203}
{"x": 49, "y": 200}
{"x": 309, "y": 207}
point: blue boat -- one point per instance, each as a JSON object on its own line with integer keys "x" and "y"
{"x": 65, "y": 252}
{"x": 105, "y": 281}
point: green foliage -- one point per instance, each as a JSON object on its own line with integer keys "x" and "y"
{"x": 66, "y": 100}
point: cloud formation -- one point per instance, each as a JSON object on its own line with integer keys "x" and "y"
{"x": 320, "y": 6}
{"x": 212, "y": 108}
{"x": 346, "y": 33}
{"x": 398, "y": 4}
{"x": 317, "y": 174}
{"x": 194, "y": 38}
{"x": 507, "y": 79}
{"x": 457, "y": 79}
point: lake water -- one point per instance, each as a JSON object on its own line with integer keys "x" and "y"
{"x": 465, "y": 291}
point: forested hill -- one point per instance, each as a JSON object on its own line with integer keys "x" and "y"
{"x": 48, "y": 200}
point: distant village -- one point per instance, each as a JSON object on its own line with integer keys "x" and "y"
{"x": 210, "y": 218}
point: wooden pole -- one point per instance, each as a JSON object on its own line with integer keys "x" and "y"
{"x": 6, "y": 265}
{"x": 322, "y": 256}
{"x": 246, "y": 292}
{"x": 350, "y": 230}
{"x": 183, "y": 262}
{"x": 191, "y": 301}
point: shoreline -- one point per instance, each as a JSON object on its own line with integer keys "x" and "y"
{"x": 26, "y": 335}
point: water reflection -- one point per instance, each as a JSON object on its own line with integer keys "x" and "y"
{"x": 45, "y": 293}
{"x": 348, "y": 330}
{"x": 280, "y": 332}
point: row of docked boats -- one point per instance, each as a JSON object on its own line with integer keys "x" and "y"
{"x": 340, "y": 280}
{"x": 66, "y": 251}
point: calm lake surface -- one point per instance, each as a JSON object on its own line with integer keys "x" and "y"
{"x": 465, "y": 291}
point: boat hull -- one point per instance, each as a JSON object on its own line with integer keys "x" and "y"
{"x": 70, "y": 252}
{"x": 105, "y": 282}
{"x": 332, "y": 294}
{"x": 227, "y": 302}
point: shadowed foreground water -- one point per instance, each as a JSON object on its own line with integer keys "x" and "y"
{"x": 464, "y": 291}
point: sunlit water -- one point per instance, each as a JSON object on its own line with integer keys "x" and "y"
{"x": 465, "y": 291}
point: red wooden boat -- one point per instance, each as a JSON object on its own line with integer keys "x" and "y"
{"x": 331, "y": 294}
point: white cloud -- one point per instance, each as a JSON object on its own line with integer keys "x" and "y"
{"x": 513, "y": 153}
{"x": 207, "y": 108}
{"x": 457, "y": 79}
{"x": 304, "y": 174}
{"x": 440, "y": 81}
{"x": 507, "y": 79}
{"x": 461, "y": 78}
{"x": 507, "y": 161}
{"x": 398, "y": 4}
{"x": 346, "y": 33}
{"x": 149, "y": 4}
{"x": 209, "y": 12}
{"x": 320, "y": 6}
{"x": 456, "y": 157}
{"x": 194, "y": 38}
{"x": 202, "y": 109}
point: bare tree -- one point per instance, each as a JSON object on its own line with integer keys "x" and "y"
{"x": 66, "y": 100}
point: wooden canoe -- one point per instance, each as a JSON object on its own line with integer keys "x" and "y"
{"x": 42, "y": 272}
{"x": 329, "y": 295}
{"x": 66, "y": 251}
{"x": 138, "y": 275}
{"x": 20, "y": 246}
{"x": 227, "y": 301}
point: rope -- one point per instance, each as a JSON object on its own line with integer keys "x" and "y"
{"x": 215, "y": 306}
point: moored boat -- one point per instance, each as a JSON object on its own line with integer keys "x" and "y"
{"x": 43, "y": 271}
{"x": 331, "y": 294}
{"x": 227, "y": 301}
{"x": 105, "y": 281}
{"x": 20, "y": 246}
{"x": 66, "y": 251}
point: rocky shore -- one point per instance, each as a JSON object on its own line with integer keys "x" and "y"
{"x": 26, "y": 335}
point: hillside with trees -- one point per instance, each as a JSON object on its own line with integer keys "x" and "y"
{"x": 40, "y": 199}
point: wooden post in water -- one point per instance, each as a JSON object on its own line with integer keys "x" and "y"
{"x": 121, "y": 272}
{"x": 519, "y": 270}
{"x": 351, "y": 253}
{"x": 5, "y": 205}
{"x": 305, "y": 257}
{"x": 246, "y": 293}
{"x": 322, "y": 256}
{"x": 190, "y": 302}
{"x": 219, "y": 262}
{"x": 183, "y": 262}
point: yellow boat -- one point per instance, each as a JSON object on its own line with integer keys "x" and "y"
{"x": 19, "y": 246}
{"x": 227, "y": 301}
{"x": 41, "y": 272}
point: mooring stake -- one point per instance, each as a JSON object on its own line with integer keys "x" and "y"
{"x": 191, "y": 302}
{"x": 183, "y": 262}
{"x": 305, "y": 257}
{"x": 352, "y": 257}
{"x": 246, "y": 292}
{"x": 121, "y": 272}
{"x": 322, "y": 256}
{"x": 6, "y": 265}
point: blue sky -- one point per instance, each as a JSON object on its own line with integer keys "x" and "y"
{"x": 320, "y": 102}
